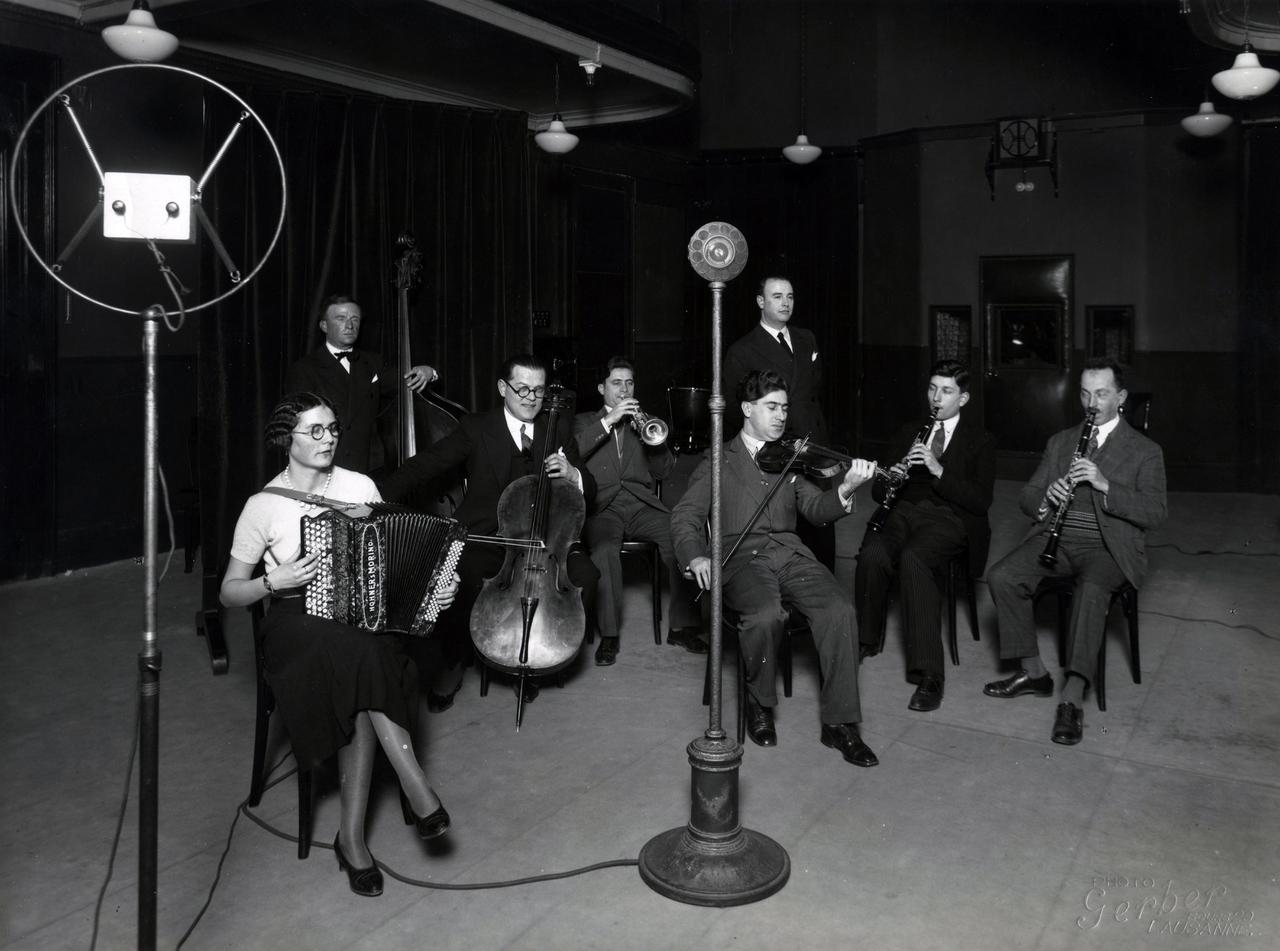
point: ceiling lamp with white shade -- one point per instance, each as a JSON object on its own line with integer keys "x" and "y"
{"x": 801, "y": 151}
{"x": 1207, "y": 122}
{"x": 138, "y": 39}
{"x": 556, "y": 139}
{"x": 1247, "y": 78}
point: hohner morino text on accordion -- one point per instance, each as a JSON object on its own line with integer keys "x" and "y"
{"x": 380, "y": 572}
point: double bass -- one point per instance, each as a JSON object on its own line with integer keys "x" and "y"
{"x": 529, "y": 618}
{"x": 425, "y": 417}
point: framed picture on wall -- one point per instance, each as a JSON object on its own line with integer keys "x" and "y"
{"x": 1109, "y": 330}
{"x": 950, "y": 331}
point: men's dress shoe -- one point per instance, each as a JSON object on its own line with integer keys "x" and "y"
{"x": 434, "y": 825}
{"x": 690, "y": 638}
{"x": 760, "y": 724}
{"x": 866, "y": 650}
{"x": 928, "y": 695}
{"x": 607, "y": 651}
{"x": 363, "y": 881}
{"x": 1020, "y": 683}
{"x": 530, "y": 690}
{"x": 846, "y": 738}
{"x": 1068, "y": 725}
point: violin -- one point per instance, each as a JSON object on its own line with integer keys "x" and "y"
{"x": 529, "y": 617}
{"x": 817, "y": 462}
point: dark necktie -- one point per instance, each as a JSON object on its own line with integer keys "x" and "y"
{"x": 782, "y": 339}
{"x": 939, "y": 444}
{"x": 526, "y": 441}
{"x": 1091, "y": 450}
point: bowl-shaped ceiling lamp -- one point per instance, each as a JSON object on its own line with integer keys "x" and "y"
{"x": 138, "y": 39}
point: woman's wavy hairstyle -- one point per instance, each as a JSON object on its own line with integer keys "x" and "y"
{"x": 284, "y": 418}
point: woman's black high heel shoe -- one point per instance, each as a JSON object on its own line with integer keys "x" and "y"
{"x": 364, "y": 881}
{"x": 434, "y": 825}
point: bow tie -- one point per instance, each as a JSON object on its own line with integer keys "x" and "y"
{"x": 343, "y": 355}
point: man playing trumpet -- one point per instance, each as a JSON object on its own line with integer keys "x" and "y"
{"x": 1115, "y": 491}
{"x": 627, "y": 465}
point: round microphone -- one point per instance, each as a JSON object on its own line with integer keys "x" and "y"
{"x": 718, "y": 251}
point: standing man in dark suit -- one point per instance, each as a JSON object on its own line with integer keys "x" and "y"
{"x": 942, "y": 506}
{"x": 1116, "y": 494}
{"x": 494, "y": 449}
{"x": 773, "y": 569}
{"x": 776, "y": 344}
{"x": 626, "y": 471}
{"x": 354, "y": 382}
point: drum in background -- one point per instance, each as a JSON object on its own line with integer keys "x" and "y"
{"x": 689, "y": 413}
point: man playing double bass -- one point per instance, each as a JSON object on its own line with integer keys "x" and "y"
{"x": 354, "y": 381}
{"x": 494, "y": 449}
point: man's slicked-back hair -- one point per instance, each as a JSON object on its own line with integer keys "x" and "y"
{"x": 952, "y": 368}
{"x": 1106, "y": 363}
{"x": 284, "y": 418}
{"x": 759, "y": 382}
{"x": 616, "y": 363}
{"x": 771, "y": 276}
{"x": 526, "y": 360}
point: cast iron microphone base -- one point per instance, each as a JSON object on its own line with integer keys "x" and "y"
{"x": 713, "y": 860}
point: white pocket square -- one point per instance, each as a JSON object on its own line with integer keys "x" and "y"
{"x": 813, "y": 358}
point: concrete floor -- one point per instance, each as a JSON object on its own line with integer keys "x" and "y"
{"x": 1161, "y": 829}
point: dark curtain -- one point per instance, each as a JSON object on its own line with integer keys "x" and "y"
{"x": 360, "y": 172}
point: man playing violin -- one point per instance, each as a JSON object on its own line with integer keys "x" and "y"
{"x": 626, "y": 471}
{"x": 494, "y": 449}
{"x": 1115, "y": 491}
{"x": 941, "y": 507}
{"x": 354, "y": 382}
{"x": 772, "y": 570}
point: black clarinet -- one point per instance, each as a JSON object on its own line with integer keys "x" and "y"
{"x": 1049, "y": 557}
{"x": 894, "y": 485}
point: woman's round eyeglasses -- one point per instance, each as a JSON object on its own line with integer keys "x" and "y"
{"x": 318, "y": 430}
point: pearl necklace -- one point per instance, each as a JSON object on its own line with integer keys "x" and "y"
{"x": 323, "y": 491}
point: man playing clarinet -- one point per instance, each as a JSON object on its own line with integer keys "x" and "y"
{"x": 1113, "y": 493}
{"x": 941, "y": 508}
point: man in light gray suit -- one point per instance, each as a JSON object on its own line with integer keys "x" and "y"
{"x": 1118, "y": 496}
{"x": 773, "y": 570}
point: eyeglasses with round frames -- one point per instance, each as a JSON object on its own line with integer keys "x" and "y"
{"x": 318, "y": 430}
{"x": 522, "y": 391}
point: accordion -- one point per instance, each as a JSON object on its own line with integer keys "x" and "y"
{"x": 380, "y": 572}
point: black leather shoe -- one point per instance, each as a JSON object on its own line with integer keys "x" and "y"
{"x": 846, "y": 738}
{"x": 866, "y": 650}
{"x": 760, "y": 724}
{"x": 928, "y": 695}
{"x": 363, "y": 881}
{"x": 1068, "y": 725}
{"x": 440, "y": 702}
{"x": 607, "y": 651}
{"x": 690, "y": 638}
{"x": 530, "y": 690}
{"x": 1020, "y": 683}
{"x": 434, "y": 825}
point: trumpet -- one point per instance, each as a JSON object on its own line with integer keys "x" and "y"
{"x": 1049, "y": 556}
{"x": 651, "y": 430}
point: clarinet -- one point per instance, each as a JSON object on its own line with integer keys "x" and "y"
{"x": 1049, "y": 556}
{"x": 877, "y": 520}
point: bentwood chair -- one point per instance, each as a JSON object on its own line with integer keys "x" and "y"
{"x": 1063, "y": 590}
{"x": 956, "y": 577}
{"x": 266, "y": 704}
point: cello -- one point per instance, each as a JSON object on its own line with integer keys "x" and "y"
{"x": 430, "y": 414}
{"x": 529, "y": 617}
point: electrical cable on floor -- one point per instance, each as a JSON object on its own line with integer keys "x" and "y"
{"x": 1219, "y": 551}
{"x": 243, "y": 809}
{"x": 115, "y": 839}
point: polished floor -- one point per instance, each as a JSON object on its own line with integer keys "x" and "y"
{"x": 1161, "y": 829}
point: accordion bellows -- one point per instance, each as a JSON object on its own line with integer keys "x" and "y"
{"x": 380, "y": 572}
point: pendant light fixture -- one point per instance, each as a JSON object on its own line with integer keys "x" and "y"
{"x": 802, "y": 152}
{"x": 138, "y": 39}
{"x": 556, "y": 139}
{"x": 1207, "y": 122}
{"x": 1247, "y": 78}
